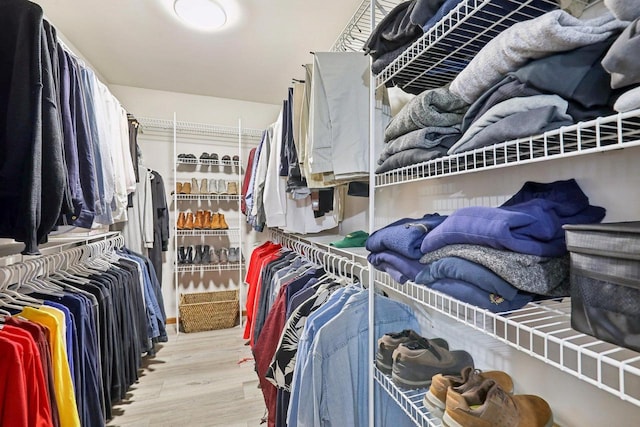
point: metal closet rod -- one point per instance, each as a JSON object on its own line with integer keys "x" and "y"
{"x": 335, "y": 264}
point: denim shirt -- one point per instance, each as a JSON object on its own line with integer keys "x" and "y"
{"x": 334, "y": 381}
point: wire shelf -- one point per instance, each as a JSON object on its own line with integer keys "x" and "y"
{"x": 207, "y": 162}
{"x": 541, "y": 330}
{"x": 199, "y": 268}
{"x": 409, "y": 400}
{"x": 442, "y": 52}
{"x": 198, "y": 233}
{"x": 149, "y": 123}
{"x": 602, "y": 134}
{"x": 357, "y": 31}
{"x": 219, "y": 197}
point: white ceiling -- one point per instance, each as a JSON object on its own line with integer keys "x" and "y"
{"x": 141, "y": 43}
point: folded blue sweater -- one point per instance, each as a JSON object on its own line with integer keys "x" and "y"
{"x": 398, "y": 266}
{"x": 530, "y": 222}
{"x": 404, "y": 236}
{"x": 467, "y": 271}
{"x": 474, "y": 295}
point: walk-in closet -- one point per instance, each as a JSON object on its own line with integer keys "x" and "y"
{"x": 359, "y": 213}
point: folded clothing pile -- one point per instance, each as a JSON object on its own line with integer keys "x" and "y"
{"x": 511, "y": 89}
{"x": 395, "y": 248}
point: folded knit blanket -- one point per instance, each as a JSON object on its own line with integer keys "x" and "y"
{"x": 437, "y": 107}
{"x": 556, "y": 31}
{"x": 529, "y": 273}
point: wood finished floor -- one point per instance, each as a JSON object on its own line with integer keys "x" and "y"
{"x": 196, "y": 380}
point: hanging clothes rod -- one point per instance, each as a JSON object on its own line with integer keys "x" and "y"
{"x": 62, "y": 259}
{"x": 337, "y": 264}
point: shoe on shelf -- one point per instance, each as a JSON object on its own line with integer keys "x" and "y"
{"x": 182, "y": 219}
{"x": 489, "y": 405}
{"x": 222, "y": 223}
{"x": 435, "y": 399}
{"x": 211, "y": 185}
{"x": 389, "y": 342}
{"x": 226, "y": 158}
{"x": 222, "y": 186}
{"x": 182, "y": 156}
{"x": 233, "y": 255}
{"x": 194, "y": 186}
{"x": 224, "y": 256}
{"x": 186, "y": 188}
{"x": 206, "y": 220}
{"x": 236, "y": 159}
{"x": 198, "y": 224}
{"x": 182, "y": 255}
{"x": 215, "y": 222}
{"x": 232, "y": 187}
{"x": 416, "y": 362}
{"x": 213, "y": 156}
{"x": 197, "y": 256}
{"x": 189, "y": 255}
{"x": 178, "y": 189}
{"x": 204, "y": 187}
{"x": 215, "y": 255}
{"x": 205, "y": 256}
{"x": 204, "y": 156}
{"x": 190, "y": 156}
{"x": 189, "y": 222}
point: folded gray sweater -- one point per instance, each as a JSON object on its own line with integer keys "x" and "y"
{"x": 624, "y": 10}
{"x": 422, "y": 138}
{"x": 630, "y": 100}
{"x": 437, "y": 107}
{"x": 507, "y": 108}
{"x": 552, "y": 32}
{"x": 531, "y": 273}
{"x": 623, "y": 58}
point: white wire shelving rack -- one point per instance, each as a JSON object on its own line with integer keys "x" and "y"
{"x": 211, "y": 137}
{"x": 193, "y": 128}
{"x": 411, "y": 401}
{"x": 198, "y": 233}
{"x": 207, "y": 162}
{"x": 200, "y": 268}
{"x": 216, "y": 197}
{"x": 613, "y": 132}
{"x": 437, "y": 57}
{"x": 541, "y": 330}
{"x": 357, "y": 31}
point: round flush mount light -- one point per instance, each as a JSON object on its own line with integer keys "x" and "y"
{"x": 201, "y": 14}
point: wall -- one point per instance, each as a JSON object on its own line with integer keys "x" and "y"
{"x": 194, "y": 108}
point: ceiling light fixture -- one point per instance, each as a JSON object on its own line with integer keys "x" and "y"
{"x": 201, "y": 14}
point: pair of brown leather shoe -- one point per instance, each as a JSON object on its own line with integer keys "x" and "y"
{"x": 476, "y": 399}
{"x": 183, "y": 188}
{"x": 202, "y": 220}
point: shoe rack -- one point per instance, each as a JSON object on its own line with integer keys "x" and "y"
{"x": 207, "y": 228}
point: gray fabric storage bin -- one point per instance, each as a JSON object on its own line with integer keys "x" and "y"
{"x": 605, "y": 281}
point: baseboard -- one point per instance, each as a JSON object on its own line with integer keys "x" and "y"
{"x": 171, "y": 320}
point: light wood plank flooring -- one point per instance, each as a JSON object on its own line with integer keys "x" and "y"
{"x": 196, "y": 380}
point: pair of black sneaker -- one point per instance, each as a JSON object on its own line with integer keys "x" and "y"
{"x": 412, "y": 360}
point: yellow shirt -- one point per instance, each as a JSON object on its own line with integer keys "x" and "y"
{"x": 53, "y": 319}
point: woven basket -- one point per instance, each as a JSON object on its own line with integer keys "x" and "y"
{"x": 207, "y": 311}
